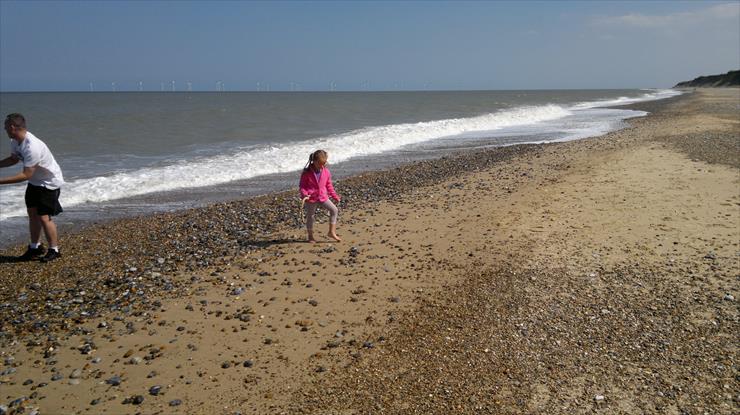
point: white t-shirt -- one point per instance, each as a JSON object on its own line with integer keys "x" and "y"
{"x": 33, "y": 152}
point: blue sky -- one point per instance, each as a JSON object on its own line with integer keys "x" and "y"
{"x": 58, "y": 45}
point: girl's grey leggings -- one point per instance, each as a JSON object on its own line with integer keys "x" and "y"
{"x": 311, "y": 212}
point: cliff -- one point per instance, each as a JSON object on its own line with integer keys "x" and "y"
{"x": 731, "y": 78}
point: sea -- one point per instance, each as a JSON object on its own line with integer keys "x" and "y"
{"x": 131, "y": 153}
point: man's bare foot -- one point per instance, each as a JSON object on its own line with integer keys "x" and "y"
{"x": 334, "y": 237}
{"x": 311, "y": 240}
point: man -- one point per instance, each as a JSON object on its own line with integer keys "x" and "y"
{"x": 42, "y": 193}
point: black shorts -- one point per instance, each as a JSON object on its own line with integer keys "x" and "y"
{"x": 46, "y": 201}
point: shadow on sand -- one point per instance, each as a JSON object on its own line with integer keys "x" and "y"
{"x": 271, "y": 242}
{"x": 7, "y": 259}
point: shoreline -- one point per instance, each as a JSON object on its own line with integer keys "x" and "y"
{"x": 81, "y": 216}
{"x": 463, "y": 271}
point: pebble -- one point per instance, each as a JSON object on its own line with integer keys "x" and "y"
{"x": 77, "y": 373}
{"x": 155, "y": 390}
{"x": 136, "y": 400}
{"x": 248, "y": 363}
{"x": 313, "y": 302}
{"x": 729, "y": 297}
{"x": 17, "y": 402}
{"x": 225, "y": 365}
{"x": 114, "y": 381}
{"x": 175, "y": 402}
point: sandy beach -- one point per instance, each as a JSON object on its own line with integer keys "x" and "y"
{"x": 598, "y": 275}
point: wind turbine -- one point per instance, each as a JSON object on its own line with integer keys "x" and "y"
{"x": 141, "y": 86}
{"x": 190, "y": 86}
{"x": 173, "y": 86}
{"x": 92, "y": 87}
{"x": 113, "y": 86}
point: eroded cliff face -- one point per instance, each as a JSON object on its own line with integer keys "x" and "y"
{"x": 731, "y": 78}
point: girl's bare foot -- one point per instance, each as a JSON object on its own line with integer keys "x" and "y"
{"x": 333, "y": 232}
{"x": 312, "y": 241}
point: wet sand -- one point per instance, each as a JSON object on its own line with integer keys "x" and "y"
{"x": 596, "y": 275}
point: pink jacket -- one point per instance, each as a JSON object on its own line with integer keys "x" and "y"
{"x": 317, "y": 191}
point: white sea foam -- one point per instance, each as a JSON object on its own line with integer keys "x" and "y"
{"x": 246, "y": 163}
{"x": 655, "y": 94}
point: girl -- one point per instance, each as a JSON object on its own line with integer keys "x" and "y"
{"x": 316, "y": 188}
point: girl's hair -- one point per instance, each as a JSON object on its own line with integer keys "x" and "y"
{"x": 314, "y": 156}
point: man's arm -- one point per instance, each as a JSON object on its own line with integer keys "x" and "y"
{"x": 8, "y": 161}
{"x": 20, "y": 177}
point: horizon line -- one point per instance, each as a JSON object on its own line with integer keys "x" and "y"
{"x": 320, "y": 90}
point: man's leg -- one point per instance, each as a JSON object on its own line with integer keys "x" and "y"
{"x": 34, "y": 225}
{"x": 50, "y": 230}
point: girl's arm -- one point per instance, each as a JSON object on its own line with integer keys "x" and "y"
{"x": 330, "y": 188}
{"x": 303, "y": 185}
